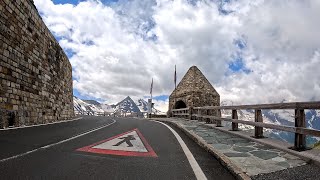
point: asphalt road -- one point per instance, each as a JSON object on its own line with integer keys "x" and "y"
{"x": 65, "y": 161}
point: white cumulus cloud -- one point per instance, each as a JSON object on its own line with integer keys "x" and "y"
{"x": 118, "y": 47}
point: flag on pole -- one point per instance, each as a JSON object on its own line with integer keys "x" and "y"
{"x": 175, "y": 77}
{"x": 151, "y": 87}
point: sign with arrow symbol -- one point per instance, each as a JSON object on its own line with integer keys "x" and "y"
{"x": 131, "y": 143}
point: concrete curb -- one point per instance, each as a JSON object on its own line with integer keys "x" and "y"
{"x": 235, "y": 170}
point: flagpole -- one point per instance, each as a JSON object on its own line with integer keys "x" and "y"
{"x": 151, "y": 89}
{"x": 175, "y": 77}
{"x": 150, "y": 105}
{"x": 175, "y": 85}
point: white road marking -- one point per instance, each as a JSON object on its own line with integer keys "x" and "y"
{"x": 21, "y": 127}
{"x": 137, "y": 144}
{"x": 60, "y": 142}
{"x": 194, "y": 165}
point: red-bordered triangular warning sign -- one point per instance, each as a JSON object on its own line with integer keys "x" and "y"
{"x": 131, "y": 143}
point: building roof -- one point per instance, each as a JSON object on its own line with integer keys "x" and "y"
{"x": 193, "y": 82}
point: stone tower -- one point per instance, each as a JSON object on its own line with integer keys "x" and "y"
{"x": 194, "y": 90}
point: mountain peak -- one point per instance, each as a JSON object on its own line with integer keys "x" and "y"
{"x": 127, "y": 105}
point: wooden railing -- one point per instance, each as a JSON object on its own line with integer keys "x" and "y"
{"x": 184, "y": 112}
{"x": 300, "y": 130}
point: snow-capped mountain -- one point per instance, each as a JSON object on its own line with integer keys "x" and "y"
{"x": 280, "y": 117}
{"x": 127, "y": 105}
{"x": 87, "y": 107}
{"x": 107, "y": 108}
{"x": 143, "y": 106}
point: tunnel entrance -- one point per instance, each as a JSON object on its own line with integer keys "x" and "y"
{"x": 179, "y": 105}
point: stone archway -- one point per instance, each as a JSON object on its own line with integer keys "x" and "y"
{"x": 179, "y": 105}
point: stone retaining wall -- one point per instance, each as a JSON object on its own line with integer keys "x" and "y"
{"x": 35, "y": 73}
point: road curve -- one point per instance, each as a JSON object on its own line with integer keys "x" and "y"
{"x": 65, "y": 161}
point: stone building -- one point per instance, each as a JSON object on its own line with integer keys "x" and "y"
{"x": 194, "y": 90}
{"x": 35, "y": 73}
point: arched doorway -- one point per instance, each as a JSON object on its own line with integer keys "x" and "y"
{"x": 179, "y": 105}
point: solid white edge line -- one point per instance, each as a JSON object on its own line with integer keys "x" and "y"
{"x": 194, "y": 165}
{"x": 57, "y": 122}
{"x": 60, "y": 142}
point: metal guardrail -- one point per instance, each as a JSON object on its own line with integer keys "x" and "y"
{"x": 300, "y": 130}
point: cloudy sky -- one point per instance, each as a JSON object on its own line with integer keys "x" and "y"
{"x": 251, "y": 51}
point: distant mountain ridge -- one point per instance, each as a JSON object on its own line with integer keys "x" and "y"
{"x": 127, "y": 105}
{"x": 92, "y": 102}
{"x": 85, "y": 106}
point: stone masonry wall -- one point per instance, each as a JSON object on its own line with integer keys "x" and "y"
{"x": 194, "y": 90}
{"x": 35, "y": 73}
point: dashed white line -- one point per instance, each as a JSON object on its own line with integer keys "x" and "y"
{"x": 60, "y": 142}
{"x": 194, "y": 165}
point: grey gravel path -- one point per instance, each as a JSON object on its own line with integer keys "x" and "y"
{"x": 252, "y": 157}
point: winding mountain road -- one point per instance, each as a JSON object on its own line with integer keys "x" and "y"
{"x": 104, "y": 148}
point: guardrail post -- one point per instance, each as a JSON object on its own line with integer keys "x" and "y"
{"x": 190, "y": 113}
{"x": 187, "y": 112}
{"x": 206, "y": 120}
{"x": 209, "y": 113}
{"x": 234, "y": 116}
{"x": 300, "y": 121}
{"x": 212, "y": 113}
{"x": 258, "y": 131}
{"x": 218, "y": 121}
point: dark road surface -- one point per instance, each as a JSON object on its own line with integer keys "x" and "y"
{"x": 63, "y": 161}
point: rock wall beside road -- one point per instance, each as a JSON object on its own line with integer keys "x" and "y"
{"x": 35, "y": 73}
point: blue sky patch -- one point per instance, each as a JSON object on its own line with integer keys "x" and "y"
{"x": 68, "y": 52}
{"x": 85, "y": 97}
{"x": 237, "y": 66}
{"x": 161, "y": 97}
{"x": 66, "y": 1}
{"x": 158, "y": 98}
{"x": 75, "y": 2}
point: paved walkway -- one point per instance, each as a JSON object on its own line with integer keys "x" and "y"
{"x": 251, "y": 157}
